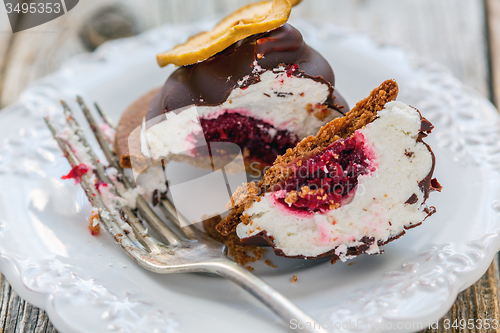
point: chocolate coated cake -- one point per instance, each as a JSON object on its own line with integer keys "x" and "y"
{"x": 358, "y": 184}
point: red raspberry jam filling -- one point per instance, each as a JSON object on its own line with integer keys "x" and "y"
{"x": 77, "y": 172}
{"x": 322, "y": 182}
{"x": 261, "y": 139}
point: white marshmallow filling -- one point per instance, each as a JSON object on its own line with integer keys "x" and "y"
{"x": 286, "y": 102}
{"x": 378, "y": 209}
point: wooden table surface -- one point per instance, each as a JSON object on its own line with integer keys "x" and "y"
{"x": 463, "y": 35}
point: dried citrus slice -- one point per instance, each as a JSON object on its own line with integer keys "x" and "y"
{"x": 249, "y": 20}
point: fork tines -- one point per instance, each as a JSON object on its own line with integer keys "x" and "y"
{"x": 178, "y": 250}
{"x": 105, "y": 191}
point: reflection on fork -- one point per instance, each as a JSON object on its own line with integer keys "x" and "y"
{"x": 177, "y": 250}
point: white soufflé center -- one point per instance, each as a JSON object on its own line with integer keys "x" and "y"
{"x": 378, "y": 208}
{"x": 280, "y": 100}
{"x": 283, "y": 101}
{"x": 174, "y": 134}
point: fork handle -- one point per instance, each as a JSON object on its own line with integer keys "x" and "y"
{"x": 274, "y": 300}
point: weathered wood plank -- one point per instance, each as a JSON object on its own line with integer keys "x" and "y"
{"x": 39, "y": 51}
{"x": 18, "y": 316}
{"x": 13, "y": 308}
{"x": 450, "y": 32}
{"x": 5, "y": 40}
{"x": 493, "y": 21}
{"x": 479, "y": 303}
{"x": 4, "y": 301}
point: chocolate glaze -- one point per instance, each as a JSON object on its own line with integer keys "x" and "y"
{"x": 427, "y": 185}
{"x": 209, "y": 83}
{"x": 263, "y": 239}
{"x": 413, "y": 199}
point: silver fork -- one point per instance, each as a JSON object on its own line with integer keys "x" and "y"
{"x": 178, "y": 250}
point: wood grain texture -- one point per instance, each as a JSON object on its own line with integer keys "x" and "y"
{"x": 493, "y": 22}
{"x": 479, "y": 302}
{"x": 5, "y": 40}
{"x": 450, "y": 32}
{"x": 16, "y": 315}
{"x": 39, "y": 51}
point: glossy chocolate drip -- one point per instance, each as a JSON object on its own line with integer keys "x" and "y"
{"x": 428, "y": 184}
{"x": 262, "y": 239}
{"x": 209, "y": 83}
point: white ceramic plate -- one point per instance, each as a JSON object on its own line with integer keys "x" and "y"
{"x": 88, "y": 285}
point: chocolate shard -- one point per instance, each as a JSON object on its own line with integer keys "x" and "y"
{"x": 412, "y": 200}
{"x": 435, "y": 186}
{"x": 426, "y": 126}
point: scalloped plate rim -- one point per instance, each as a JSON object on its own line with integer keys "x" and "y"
{"x": 44, "y": 300}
